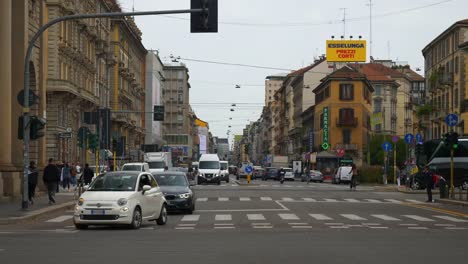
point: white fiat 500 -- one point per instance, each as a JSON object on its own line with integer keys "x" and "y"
{"x": 121, "y": 197}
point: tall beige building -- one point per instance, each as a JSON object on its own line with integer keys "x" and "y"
{"x": 272, "y": 84}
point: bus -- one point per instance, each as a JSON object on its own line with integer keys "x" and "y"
{"x": 437, "y": 156}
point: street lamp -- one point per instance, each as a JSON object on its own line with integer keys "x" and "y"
{"x": 237, "y": 86}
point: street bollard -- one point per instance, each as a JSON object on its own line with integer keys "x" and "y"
{"x": 248, "y": 178}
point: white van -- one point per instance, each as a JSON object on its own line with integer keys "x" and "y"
{"x": 224, "y": 171}
{"x": 343, "y": 174}
{"x": 209, "y": 169}
{"x": 137, "y": 166}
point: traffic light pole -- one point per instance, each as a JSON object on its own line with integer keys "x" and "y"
{"x": 452, "y": 189}
{"x": 26, "y": 110}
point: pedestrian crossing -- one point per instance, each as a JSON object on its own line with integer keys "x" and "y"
{"x": 303, "y": 221}
{"x": 306, "y": 199}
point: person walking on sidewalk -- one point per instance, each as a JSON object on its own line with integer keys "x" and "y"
{"x": 88, "y": 174}
{"x": 32, "y": 181}
{"x": 51, "y": 177}
{"x": 66, "y": 176}
{"x": 429, "y": 183}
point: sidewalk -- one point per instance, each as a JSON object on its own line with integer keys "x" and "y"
{"x": 11, "y": 212}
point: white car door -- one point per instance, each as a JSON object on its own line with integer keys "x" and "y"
{"x": 157, "y": 197}
{"x": 146, "y": 208}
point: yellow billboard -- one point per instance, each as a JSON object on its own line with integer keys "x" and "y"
{"x": 346, "y": 50}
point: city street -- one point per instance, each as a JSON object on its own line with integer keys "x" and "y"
{"x": 264, "y": 222}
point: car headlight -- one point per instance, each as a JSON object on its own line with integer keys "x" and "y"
{"x": 122, "y": 201}
{"x": 216, "y": 175}
{"x": 80, "y": 201}
{"x": 124, "y": 209}
{"x": 184, "y": 195}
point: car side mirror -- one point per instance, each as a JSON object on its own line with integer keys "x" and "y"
{"x": 86, "y": 187}
{"x": 146, "y": 188}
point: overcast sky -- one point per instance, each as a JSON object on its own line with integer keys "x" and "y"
{"x": 285, "y": 34}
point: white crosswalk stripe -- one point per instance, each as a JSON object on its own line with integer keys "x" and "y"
{"x": 59, "y": 219}
{"x": 223, "y": 217}
{"x": 413, "y": 201}
{"x": 452, "y": 219}
{"x": 223, "y": 199}
{"x": 254, "y": 217}
{"x": 352, "y": 200}
{"x": 309, "y": 199}
{"x": 265, "y": 198}
{"x": 287, "y": 199}
{"x": 244, "y": 199}
{"x": 419, "y": 218}
{"x": 393, "y": 200}
{"x": 385, "y": 217}
{"x": 353, "y": 217}
{"x": 320, "y": 217}
{"x": 373, "y": 201}
{"x": 330, "y": 200}
{"x": 288, "y": 216}
{"x": 190, "y": 218}
{"x": 202, "y": 199}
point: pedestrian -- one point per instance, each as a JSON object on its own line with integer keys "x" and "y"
{"x": 353, "y": 177}
{"x": 281, "y": 174}
{"x": 88, "y": 174}
{"x": 429, "y": 183}
{"x": 73, "y": 175}
{"x": 33, "y": 173}
{"x": 166, "y": 168}
{"x": 66, "y": 176}
{"x": 60, "y": 181}
{"x": 51, "y": 178}
{"x": 398, "y": 176}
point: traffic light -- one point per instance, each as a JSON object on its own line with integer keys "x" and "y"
{"x": 453, "y": 139}
{"x": 37, "y": 125}
{"x": 93, "y": 141}
{"x": 419, "y": 149}
{"x": 446, "y": 139}
{"x": 206, "y": 21}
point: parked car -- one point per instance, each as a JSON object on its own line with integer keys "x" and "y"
{"x": 270, "y": 173}
{"x": 418, "y": 181}
{"x": 343, "y": 174}
{"x": 136, "y": 166}
{"x": 177, "y": 190}
{"x": 289, "y": 174}
{"x": 121, "y": 197}
{"x": 315, "y": 176}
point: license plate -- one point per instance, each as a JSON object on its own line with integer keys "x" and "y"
{"x": 98, "y": 212}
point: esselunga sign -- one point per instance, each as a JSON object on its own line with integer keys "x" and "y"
{"x": 346, "y": 50}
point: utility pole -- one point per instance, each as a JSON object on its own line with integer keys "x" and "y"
{"x": 344, "y": 21}
{"x": 370, "y": 27}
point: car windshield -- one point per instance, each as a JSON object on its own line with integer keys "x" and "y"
{"x": 224, "y": 166}
{"x": 156, "y": 164}
{"x": 131, "y": 168}
{"x": 171, "y": 180}
{"x": 114, "y": 182}
{"x": 210, "y": 165}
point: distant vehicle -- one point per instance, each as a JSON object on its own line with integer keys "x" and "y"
{"x": 233, "y": 170}
{"x": 121, "y": 197}
{"x": 242, "y": 172}
{"x": 270, "y": 173}
{"x": 224, "y": 170}
{"x": 102, "y": 169}
{"x": 157, "y": 161}
{"x": 289, "y": 174}
{"x": 343, "y": 174}
{"x": 258, "y": 172}
{"x": 209, "y": 169}
{"x": 176, "y": 189}
{"x": 315, "y": 176}
{"x": 137, "y": 166}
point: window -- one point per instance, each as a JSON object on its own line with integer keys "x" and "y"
{"x": 378, "y": 90}
{"x": 346, "y": 91}
{"x": 346, "y": 116}
{"x": 456, "y": 65}
{"x": 327, "y": 92}
{"x": 455, "y": 97}
{"x": 346, "y": 136}
{"x": 378, "y": 127}
{"x": 377, "y": 106}
{"x": 144, "y": 180}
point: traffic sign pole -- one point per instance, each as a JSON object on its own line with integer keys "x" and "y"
{"x": 394, "y": 164}
{"x": 452, "y": 190}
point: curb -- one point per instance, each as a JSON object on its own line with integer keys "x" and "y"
{"x": 453, "y": 202}
{"x": 245, "y": 184}
{"x": 36, "y": 213}
{"x": 418, "y": 192}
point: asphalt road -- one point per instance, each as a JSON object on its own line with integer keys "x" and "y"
{"x": 264, "y": 223}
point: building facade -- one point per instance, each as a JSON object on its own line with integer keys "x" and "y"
{"x": 446, "y": 71}
{"x": 342, "y": 113}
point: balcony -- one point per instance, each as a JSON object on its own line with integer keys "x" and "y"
{"x": 347, "y": 146}
{"x": 349, "y": 122}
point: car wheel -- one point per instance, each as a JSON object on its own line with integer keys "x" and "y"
{"x": 192, "y": 208}
{"x": 162, "y": 216}
{"x": 227, "y": 180}
{"x": 136, "y": 218}
{"x": 219, "y": 182}
{"x": 416, "y": 185}
{"x": 81, "y": 226}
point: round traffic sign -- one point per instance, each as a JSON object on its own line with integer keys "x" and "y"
{"x": 395, "y": 139}
{"x": 409, "y": 138}
{"x": 451, "y": 120}
{"x": 248, "y": 169}
{"x": 387, "y": 146}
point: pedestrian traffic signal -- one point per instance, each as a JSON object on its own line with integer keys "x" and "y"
{"x": 207, "y": 20}
{"x": 37, "y": 125}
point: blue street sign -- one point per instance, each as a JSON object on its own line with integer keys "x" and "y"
{"x": 451, "y": 120}
{"x": 387, "y": 146}
{"x": 248, "y": 169}
{"x": 419, "y": 138}
{"x": 409, "y": 138}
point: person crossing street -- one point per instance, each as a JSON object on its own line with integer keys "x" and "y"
{"x": 51, "y": 178}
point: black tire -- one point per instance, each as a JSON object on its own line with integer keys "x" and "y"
{"x": 137, "y": 219}
{"x": 162, "y": 220}
{"x": 219, "y": 182}
{"x": 81, "y": 226}
{"x": 227, "y": 180}
{"x": 192, "y": 208}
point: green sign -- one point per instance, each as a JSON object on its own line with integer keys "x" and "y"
{"x": 326, "y": 143}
